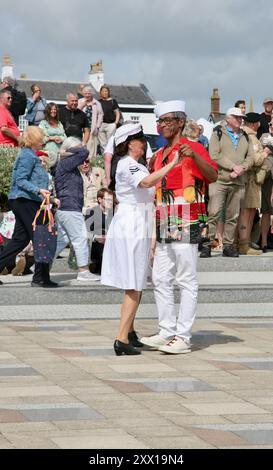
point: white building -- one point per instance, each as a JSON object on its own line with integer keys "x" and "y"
{"x": 135, "y": 101}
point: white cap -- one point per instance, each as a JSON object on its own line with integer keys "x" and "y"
{"x": 235, "y": 112}
{"x": 127, "y": 130}
{"x": 169, "y": 107}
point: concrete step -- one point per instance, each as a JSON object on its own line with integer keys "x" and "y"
{"x": 241, "y": 287}
{"x": 50, "y": 313}
{"x": 216, "y": 263}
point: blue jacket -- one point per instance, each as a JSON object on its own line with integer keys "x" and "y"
{"x": 31, "y": 109}
{"x": 28, "y": 176}
{"x": 68, "y": 180}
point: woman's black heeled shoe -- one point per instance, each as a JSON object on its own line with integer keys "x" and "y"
{"x": 264, "y": 248}
{"x": 123, "y": 348}
{"x": 133, "y": 340}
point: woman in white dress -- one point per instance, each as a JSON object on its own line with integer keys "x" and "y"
{"x": 127, "y": 247}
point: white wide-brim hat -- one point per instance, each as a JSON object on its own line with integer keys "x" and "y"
{"x": 169, "y": 107}
{"x": 126, "y": 131}
{"x": 235, "y": 112}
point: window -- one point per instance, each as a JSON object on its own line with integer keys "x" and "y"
{"x": 135, "y": 119}
{"x": 23, "y": 123}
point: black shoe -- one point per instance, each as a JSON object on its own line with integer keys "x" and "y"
{"x": 230, "y": 251}
{"x": 126, "y": 349}
{"x": 1, "y": 283}
{"x": 36, "y": 284}
{"x": 202, "y": 241}
{"x": 46, "y": 284}
{"x": 50, "y": 284}
{"x": 264, "y": 248}
{"x": 133, "y": 340}
{"x": 205, "y": 252}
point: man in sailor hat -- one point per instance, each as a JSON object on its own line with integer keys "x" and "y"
{"x": 179, "y": 199}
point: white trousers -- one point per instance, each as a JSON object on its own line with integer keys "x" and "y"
{"x": 105, "y": 132}
{"x": 175, "y": 262}
{"x": 92, "y": 146}
{"x": 71, "y": 228}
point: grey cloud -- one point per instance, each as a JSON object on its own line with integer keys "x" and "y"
{"x": 178, "y": 48}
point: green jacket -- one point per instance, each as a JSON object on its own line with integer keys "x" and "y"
{"x": 226, "y": 156}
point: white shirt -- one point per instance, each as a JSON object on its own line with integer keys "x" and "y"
{"x": 128, "y": 176}
{"x": 110, "y": 148}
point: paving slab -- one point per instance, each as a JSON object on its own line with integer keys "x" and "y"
{"x": 63, "y": 387}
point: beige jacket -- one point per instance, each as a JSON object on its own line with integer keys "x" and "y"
{"x": 252, "y": 197}
{"x": 226, "y": 156}
{"x": 92, "y": 182}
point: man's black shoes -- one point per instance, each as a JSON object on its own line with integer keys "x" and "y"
{"x": 230, "y": 251}
{"x": 205, "y": 252}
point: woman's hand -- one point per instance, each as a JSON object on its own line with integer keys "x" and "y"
{"x": 36, "y": 95}
{"x": 152, "y": 251}
{"x": 45, "y": 193}
{"x": 266, "y": 152}
{"x": 57, "y": 202}
{"x": 178, "y": 156}
{"x": 100, "y": 239}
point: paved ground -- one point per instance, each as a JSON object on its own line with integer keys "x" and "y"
{"x": 63, "y": 387}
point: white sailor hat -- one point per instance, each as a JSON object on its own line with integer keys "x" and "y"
{"x": 169, "y": 107}
{"x": 128, "y": 132}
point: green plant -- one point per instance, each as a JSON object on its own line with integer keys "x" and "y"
{"x": 7, "y": 157}
{"x": 98, "y": 161}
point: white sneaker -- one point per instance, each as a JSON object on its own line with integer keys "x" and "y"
{"x": 87, "y": 276}
{"x": 155, "y": 341}
{"x": 176, "y": 346}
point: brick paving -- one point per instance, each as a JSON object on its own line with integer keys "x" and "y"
{"x": 63, "y": 387}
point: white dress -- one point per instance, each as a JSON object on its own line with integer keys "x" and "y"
{"x": 126, "y": 252}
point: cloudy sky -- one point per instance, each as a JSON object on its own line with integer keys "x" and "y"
{"x": 180, "y": 49}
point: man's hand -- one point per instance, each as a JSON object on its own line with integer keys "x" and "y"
{"x": 100, "y": 239}
{"x": 238, "y": 169}
{"x": 186, "y": 151}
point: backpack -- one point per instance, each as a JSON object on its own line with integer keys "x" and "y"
{"x": 19, "y": 102}
{"x": 219, "y": 132}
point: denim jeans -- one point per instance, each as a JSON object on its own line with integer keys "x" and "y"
{"x": 71, "y": 228}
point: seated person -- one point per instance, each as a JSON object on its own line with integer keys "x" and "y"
{"x": 98, "y": 222}
{"x": 93, "y": 180}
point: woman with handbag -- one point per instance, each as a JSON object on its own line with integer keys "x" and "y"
{"x": 28, "y": 189}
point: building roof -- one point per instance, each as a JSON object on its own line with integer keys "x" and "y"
{"x": 57, "y": 91}
{"x": 216, "y": 117}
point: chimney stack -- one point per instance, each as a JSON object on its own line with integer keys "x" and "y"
{"x": 96, "y": 75}
{"x": 7, "y": 67}
{"x": 215, "y": 103}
